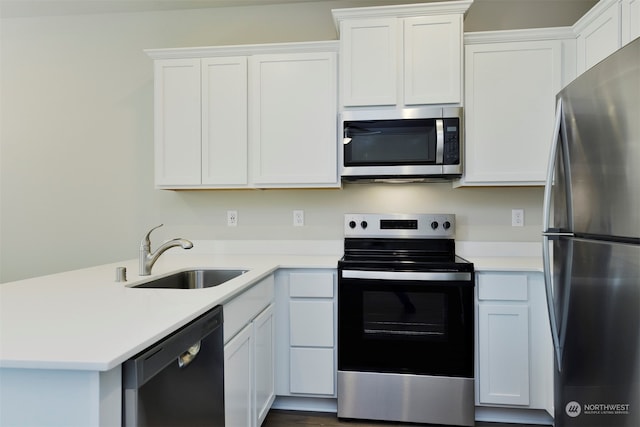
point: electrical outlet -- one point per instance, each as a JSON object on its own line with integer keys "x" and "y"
{"x": 517, "y": 217}
{"x": 298, "y": 218}
{"x": 232, "y": 218}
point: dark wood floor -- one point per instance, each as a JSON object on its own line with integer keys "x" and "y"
{"x": 279, "y": 418}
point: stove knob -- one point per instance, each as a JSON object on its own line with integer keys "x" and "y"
{"x": 434, "y": 225}
{"x": 364, "y": 224}
{"x": 352, "y": 224}
{"x": 446, "y": 225}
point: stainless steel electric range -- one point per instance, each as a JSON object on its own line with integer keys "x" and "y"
{"x": 405, "y": 321}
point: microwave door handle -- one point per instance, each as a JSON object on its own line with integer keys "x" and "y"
{"x": 439, "y": 141}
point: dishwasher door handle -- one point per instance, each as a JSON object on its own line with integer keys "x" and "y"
{"x": 187, "y": 357}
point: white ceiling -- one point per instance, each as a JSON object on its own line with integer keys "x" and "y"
{"x": 25, "y": 8}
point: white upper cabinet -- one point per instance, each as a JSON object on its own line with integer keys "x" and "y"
{"x": 368, "y": 68}
{"x": 630, "y": 20}
{"x": 609, "y": 25}
{"x": 246, "y": 116}
{"x": 432, "y": 59}
{"x": 224, "y": 121}
{"x": 511, "y": 79}
{"x": 599, "y": 34}
{"x": 293, "y": 120}
{"x": 401, "y": 55}
{"x": 177, "y": 122}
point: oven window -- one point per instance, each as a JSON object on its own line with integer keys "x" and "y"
{"x": 404, "y": 315}
{"x": 405, "y": 327}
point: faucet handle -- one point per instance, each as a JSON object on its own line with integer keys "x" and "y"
{"x": 146, "y": 240}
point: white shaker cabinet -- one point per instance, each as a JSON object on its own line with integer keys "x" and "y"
{"x": 605, "y": 28}
{"x": 254, "y": 116}
{"x": 514, "y": 350}
{"x": 368, "y": 62}
{"x": 305, "y": 301}
{"x": 177, "y": 122}
{"x": 293, "y": 120}
{"x": 630, "y": 20}
{"x": 224, "y": 121}
{"x": 264, "y": 354}
{"x": 200, "y": 122}
{"x": 598, "y": 34}
{"x": 511, "y": 80}
{"x": 401, "y": 55}
{"x": 432, "y": 61}
{"x": 238, "y": 387}
{"x": 249, "y": 353}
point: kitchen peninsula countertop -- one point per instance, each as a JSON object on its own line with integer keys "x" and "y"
{"x": 85, "y": 320}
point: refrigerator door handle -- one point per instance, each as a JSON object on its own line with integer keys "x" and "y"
{"x": 553, "y": 155}
{"x": 546, "y": 219}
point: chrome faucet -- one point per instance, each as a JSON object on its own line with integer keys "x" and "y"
{"x": 147, "y": 258}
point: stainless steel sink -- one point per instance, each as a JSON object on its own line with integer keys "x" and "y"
{"x": 192, "y": 279}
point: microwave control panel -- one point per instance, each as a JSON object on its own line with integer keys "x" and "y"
{"x": 451, "y": 155}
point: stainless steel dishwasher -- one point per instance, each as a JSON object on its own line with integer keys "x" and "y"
{"x": 180, "y": 380}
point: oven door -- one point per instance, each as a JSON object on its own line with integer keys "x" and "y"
{"x": 406, "y": 322}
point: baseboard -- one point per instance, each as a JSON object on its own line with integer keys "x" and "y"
{"x": 310, "y": 404}
{"x": 513, "y": 416}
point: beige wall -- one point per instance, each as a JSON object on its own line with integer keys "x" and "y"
{"x": 77, "y": 141}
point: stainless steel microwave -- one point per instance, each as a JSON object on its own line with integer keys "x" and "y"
{"x": 418, "y": 144}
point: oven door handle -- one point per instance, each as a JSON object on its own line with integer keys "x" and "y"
{"x": 407, "y": 275}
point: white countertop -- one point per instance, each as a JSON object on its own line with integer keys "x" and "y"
{"x": 84, "y": 320}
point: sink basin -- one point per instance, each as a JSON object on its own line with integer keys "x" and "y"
{"x": 193, "y": 279}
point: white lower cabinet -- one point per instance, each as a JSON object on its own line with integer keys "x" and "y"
{"x": 264, "y": 351}
{"x": 306, "y": 331}
{"x": 514, "y": 357}
{"x": 238, "y": 378}
{"x": 312, "y": 371}
{"x": 504, "y": 353}
{"x": 249, "y": 355}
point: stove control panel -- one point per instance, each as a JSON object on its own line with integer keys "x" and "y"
{"x": 419, "y": 226}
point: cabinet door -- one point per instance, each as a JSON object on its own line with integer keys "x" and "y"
{"x": 264, "y": 333}
{"x": 510, "y": 93}
{"x": 224, "y": 121}
{"x": 293, "y": 122}
{"x": 238, "y": 379}
{"x": 312, "y": 371}
{"x": 369, "y": 58}
{"x": 630, "y": 20}
{"x": 503, "y": 340}
{"x": 433, "y": 59}
{"x": 177, "y": 122}
{"x": 599, "y": 39}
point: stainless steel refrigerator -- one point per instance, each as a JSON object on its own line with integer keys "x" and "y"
{"x": 592, "y": 245}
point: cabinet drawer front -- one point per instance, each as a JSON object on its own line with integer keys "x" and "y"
{"x": 502, "y": 287}
{"x": 311, "y": 285}
{"x": 311, "y": 323}
{"x": 312, "y": 371}
{"x": 242, "y": 309}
